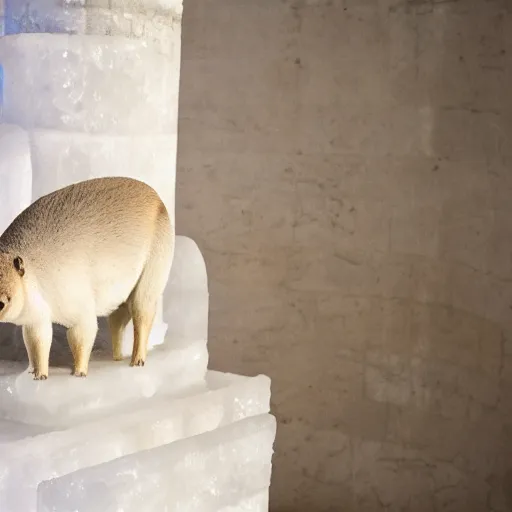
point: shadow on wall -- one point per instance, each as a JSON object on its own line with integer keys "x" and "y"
{"x": 432, "y": 429}
{"x": 461, "y": 373}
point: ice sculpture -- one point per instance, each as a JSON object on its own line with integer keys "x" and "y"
{"x": 90, "y": 88}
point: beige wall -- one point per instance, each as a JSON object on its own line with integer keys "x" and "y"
{"x": 346, "y": 168}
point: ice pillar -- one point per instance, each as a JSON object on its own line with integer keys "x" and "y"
{"x": 95, "y": 83}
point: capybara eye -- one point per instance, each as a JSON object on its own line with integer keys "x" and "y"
{"x": 2, "y": 305}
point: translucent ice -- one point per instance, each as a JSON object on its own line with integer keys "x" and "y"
{"x": 43, "y": 16}
{"x": 134, "y": 19}
{"x": 256, "y": 503}
{"x": 93, "y": 84}
{"x": 63, "y": 399}
{"x": 62, "y": 158}
{"x": 15, "y": 173}
{"x": 186, "y": 296}
{"x": 34, "y": 455}
{"x": 202, "y": 473}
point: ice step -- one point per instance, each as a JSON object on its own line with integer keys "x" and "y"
{"x": 29, "y": 456}
{"x": 201, "y": 473}
{"x": 64, "y": 400}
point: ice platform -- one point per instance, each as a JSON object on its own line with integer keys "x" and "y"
{"x": 171, "y": 417}
{"x": 31, "y": 454}
{"x": 64, "y": 400}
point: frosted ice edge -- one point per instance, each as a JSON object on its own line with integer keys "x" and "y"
{"x": 64, "y": 399}
{"x": 204, "y": 473}
{"x": 157, "y": 421}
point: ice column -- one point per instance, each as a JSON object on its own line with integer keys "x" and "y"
{"x": 15, "y": 173}
{"x": 96, "y": 87}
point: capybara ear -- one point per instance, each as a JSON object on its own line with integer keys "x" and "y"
{"x": 19, "y": 266}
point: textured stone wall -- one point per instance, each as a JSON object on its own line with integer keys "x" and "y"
{"x": 346, "y": 168}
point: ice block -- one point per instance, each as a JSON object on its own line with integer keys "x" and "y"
{"x": 63, "y": 398}
{"x": 93, "y": 84}
{"x": 186, "y": 296}
{"x": 34, "y": 455}
{"x": 15, "y": 173}
{"x": 62, "y": 158}
{"x": 201, "y": 473}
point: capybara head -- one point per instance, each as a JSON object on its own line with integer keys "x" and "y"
{"x": 12, "y": 272}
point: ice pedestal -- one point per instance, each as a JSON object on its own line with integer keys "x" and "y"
{"x": 209, "y": 429}
{"x": 94, "y": 84}
{"x": 218, "y": 401}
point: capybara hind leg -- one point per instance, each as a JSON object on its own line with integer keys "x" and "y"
{"x": 38, "y": 340}
{"x": 146, "y": 295}
{"x": 81, "y": 339}
{"x": 142, "y": 324}
{"x": 117, "y": 322}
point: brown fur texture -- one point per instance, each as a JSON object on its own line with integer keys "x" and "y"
{"x": 101, "y": 247}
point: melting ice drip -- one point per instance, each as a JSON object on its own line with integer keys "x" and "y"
{"x": 90, "y": 88}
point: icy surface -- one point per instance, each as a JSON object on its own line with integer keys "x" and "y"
{"x": 93, "y": 84}
{"x": 15, "y": 173}
{"x": 221, "y": 400}
{"x": 62, "y": 158}
{"x": 256, "y": 503}
{"x": 201, "y": 473}
{"x": 64, "y": 399}
{"x": 186, "y": 296}
{"x": 43, "y": 16}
